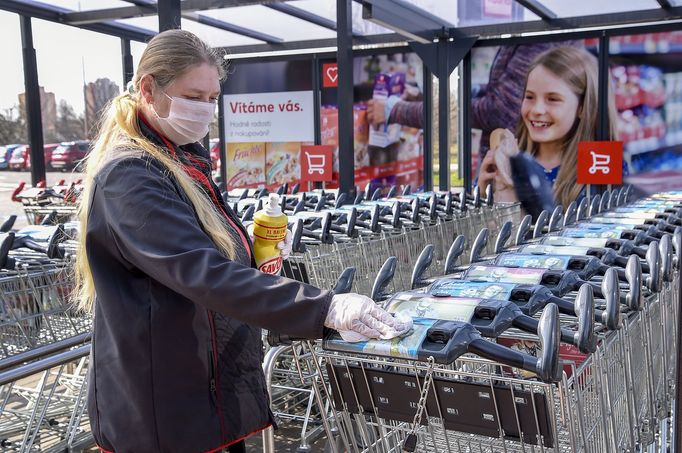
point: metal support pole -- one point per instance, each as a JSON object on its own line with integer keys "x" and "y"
{"x": 317, "y": 86}
{"x": 465, "y": 142}
{"x": 677, "y": 416}
{"x": 127, "y": 58}
{"x": 603, "y": 92}
{"x": 427, "y": 131}
{"x": 344, "y": 60}
{"x": 32, "y": 102}
{"x": 443, "y": 115}
{"x": 169, "y": 14}
{"x": 221, "y": 134}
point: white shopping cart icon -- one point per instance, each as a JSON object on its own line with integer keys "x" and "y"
{"x": 600, "y": 162}
{"x": 316, "y": 163}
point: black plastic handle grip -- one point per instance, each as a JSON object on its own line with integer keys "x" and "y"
{"x": 421, "y": 266}
{"x": 611, "y": 292}
{"x": 604, "y": 203}
{"x": 633, "y": 274}
{"x": 345, "y": 281}
{"x": 503, "y": 236}
{"x": 383, "y": 278}
{"x": 571, "y": 213}
{"x": 583, "y": 210}
{"x": 666, "y": 250}
{"x": 540, "y": 224}
{"x": 455, "y": 251}
{"x": 653, "y": 257}
{"x": 594, "y": 206}
{"x": 586, "y": 340}
{"x": 555, "y": 218}
{"x": 479, "y": 244}
{"x": 524, "y": 228}
{"x": 8, "y": 224}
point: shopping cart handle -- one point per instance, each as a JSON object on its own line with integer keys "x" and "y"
{"x": 297, "y": 235}
{"x": 321, "y": 202}
{"x": 463, "y": 201}
{"x": 433, "y": 207}
{"x": 448, "y": 204}
{"x": 555, "y": 219}
{"x": 351, "y": 223}
{"x": 613, "y": 200}
{"x": 524, "y": 228}
{"x": 247, "y": 215}
{"x": 391, "y": 192}
{"x": 407, "y": 190}
{"x": 583, "y": 210}
{"x": 570, "y": 215}
{"x": 421, "y": 266}
{"x": 50, "y": 218}
{"x": 666, "y": 250}
{"x": 503, "y": 236}
{"x": 585, "y": 339}
{"x": 540, "y": 223}
{"x": 610, "y": 289}
{"x": 489, "y": 201}
{"x": 477, "y": 197}
{"x": 479, "y": 245}
{"x": 455, "y": 251}
{"x": 677, "y": 246}
{"x": 295, "y": 189}
{"x": 383, "y": 278}
{"x": 340, "y": 200}
{"x": 396, "y": 210}
{"x": 376, "y": 195}
{"x": 5, "y": 247}
{"x": 594, "y": 206}
{"x": 345, "y": 281}
{"x": 8, "y": 224}
{"x": 653, "y": 257}
{"x": 604, "y": 203}
{"x": 633, "y": 274}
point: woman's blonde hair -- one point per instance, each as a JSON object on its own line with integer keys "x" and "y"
{"x": 168, "y": 56}
{"x": 579, "y": 69}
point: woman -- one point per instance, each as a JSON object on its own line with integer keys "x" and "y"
{"x": 168, "y": 269}
{"x": 559, "y": 110}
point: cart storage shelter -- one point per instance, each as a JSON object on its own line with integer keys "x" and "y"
{"x": 315, "y": 34}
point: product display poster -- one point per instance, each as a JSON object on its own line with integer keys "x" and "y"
{"x": 245, "y": 164}
{"x": 269, "y": 117}
{"x": 554, "y": 262}
{"x": 388, "y": 112}
{"x": 282, "y": 163}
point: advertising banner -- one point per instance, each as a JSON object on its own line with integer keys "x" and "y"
{"x": 285, "y": 116}
{"x": 316, "y": 163}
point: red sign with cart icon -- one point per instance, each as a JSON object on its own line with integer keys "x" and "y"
{"x": 600, "y": 163}
{"x": 316, "y": 163}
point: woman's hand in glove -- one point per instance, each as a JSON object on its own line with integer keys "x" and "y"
{"x": 358, "y": 318}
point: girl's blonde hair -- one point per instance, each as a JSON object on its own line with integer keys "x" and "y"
{"x": 579, "y": 69}
{"x": 168, "y": 56}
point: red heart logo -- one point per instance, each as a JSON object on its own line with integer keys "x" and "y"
{"x": 333, "y": 73}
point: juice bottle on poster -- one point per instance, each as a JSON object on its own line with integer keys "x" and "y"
{"x": 269, "y": 228}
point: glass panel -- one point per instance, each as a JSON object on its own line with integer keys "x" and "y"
{"x": 271, "y": 22}
{"x": 87, "y": 5}
{"x": 564, "y": 8}
{"x": 13, "y": 76}
{"x": 327, "y": 8}
{"x": 646, "y": 70}
{"x": 212, "y": 35}
{"x": 486, "y": 12}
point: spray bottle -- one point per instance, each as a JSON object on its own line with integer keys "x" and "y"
{"x": 269, "y": 228}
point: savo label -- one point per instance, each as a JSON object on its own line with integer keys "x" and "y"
{"x": 271, "y": 266}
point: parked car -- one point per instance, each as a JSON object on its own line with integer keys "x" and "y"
{"x": 214, "y": 151}
{"x": 6, "y": 155}
{"x": 49, "y": 149}
{"x": 68, "y": 155}
{"x": 21, "y": 158}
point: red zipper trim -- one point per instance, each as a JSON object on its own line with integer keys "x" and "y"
{"x": 218, "y": 448}
{"x": 216, "y": 371}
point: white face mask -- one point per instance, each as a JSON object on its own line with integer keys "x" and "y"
{"x": 187, "y": 120}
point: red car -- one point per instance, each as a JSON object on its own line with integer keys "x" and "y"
{"x": 21, "y": 157}
{"x": 68, "y": 155}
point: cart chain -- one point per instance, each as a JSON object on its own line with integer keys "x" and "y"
{"x": 410, "y": 443}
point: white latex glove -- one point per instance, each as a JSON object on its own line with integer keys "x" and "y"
{"x": 284, "y": 246}
{"x": 356, "y": 314}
